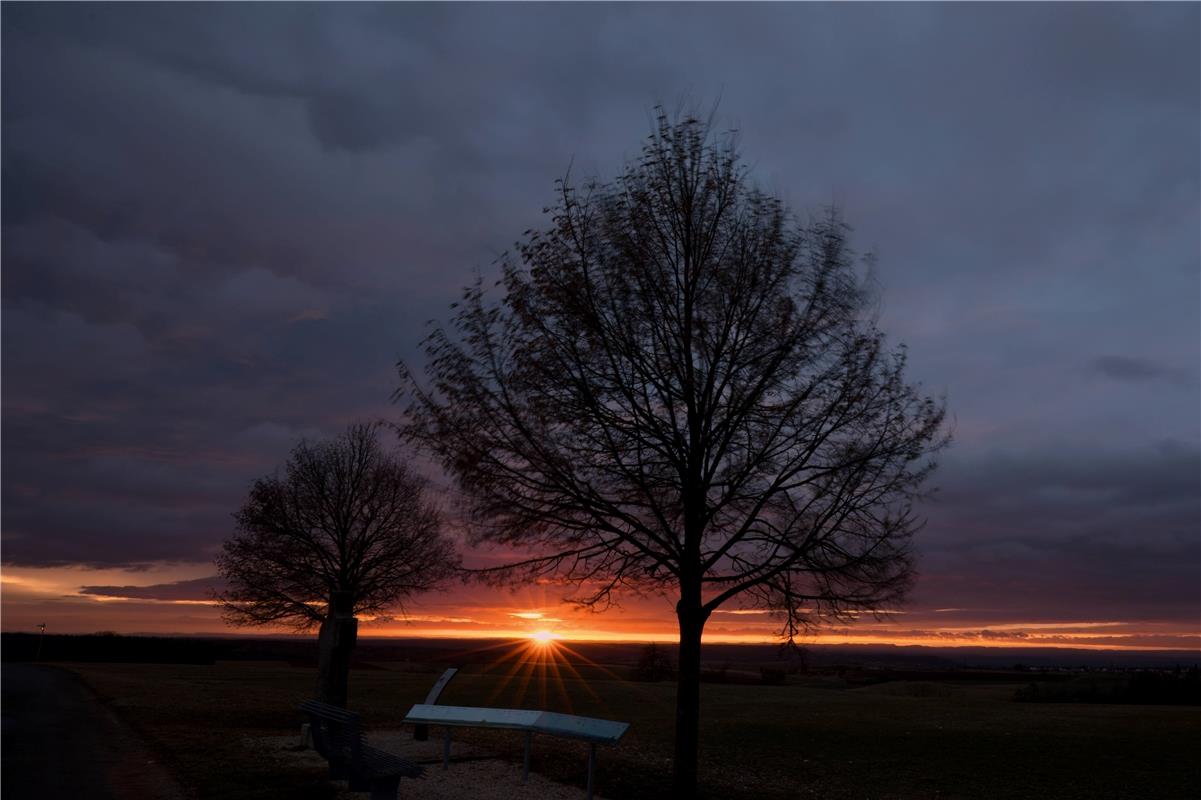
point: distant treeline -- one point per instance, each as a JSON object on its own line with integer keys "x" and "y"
{"x": 1175, "y": 687}
{"x": 106, "y": 647}
{"x": 421, "y": 654}
{"x": 121, "y": 648}
{"x": 722, "y": 663}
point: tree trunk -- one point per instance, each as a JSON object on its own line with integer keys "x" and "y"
{"x": 336, "y": 642}
{"x": 688, "y": 700}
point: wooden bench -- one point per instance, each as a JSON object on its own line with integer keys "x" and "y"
{"x": 338, "y": 737}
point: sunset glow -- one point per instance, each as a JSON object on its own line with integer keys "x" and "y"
{"x": 172, "y": 599}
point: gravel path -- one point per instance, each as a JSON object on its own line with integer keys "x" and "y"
{"x": 474, "y": 774}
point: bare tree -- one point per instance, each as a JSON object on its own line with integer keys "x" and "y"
{"x": 654, "y": 664}
{"x": 682, "y": 390}
{"x": 345, "y": 530}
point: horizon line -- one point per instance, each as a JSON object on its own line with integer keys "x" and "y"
{"x": 726, "y": 641}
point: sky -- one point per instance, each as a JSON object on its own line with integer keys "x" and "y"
{"x": 224, "y": 224}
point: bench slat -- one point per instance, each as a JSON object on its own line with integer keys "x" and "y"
{"x": 338, "y": 737}
{"x": 328, "y": 711}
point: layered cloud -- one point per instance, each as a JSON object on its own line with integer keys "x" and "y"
{"x": 194, "y": 590}
{"x": 224, "y": 224}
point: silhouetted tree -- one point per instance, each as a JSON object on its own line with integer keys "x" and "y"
{"x": 654, "y": 664}
{"x": 682, "y": 390}
{"x": 345, "y": 530}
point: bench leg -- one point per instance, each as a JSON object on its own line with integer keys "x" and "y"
{"x": 591, "y": 764}
{"x": 525, "y": 768}
{"x": 446, "y": 750}
{"x": 385, "y": 788}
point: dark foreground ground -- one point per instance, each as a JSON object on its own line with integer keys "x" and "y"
{"x": 60, "y": 741}
{"x": 810, "y": 736}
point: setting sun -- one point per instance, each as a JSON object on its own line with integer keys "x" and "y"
{"x": 543, "y": 637}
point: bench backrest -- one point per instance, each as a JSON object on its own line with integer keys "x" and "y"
{"x": 432, "y": 697}
{"x": 337, "y": 733}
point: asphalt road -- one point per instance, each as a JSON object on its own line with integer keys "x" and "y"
{"x": 59, "y": 741}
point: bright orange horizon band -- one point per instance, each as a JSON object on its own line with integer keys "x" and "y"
{"x": 78, "y": 600}
{"x": 1127, "y": 641}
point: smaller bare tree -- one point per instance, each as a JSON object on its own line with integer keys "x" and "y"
{"x": 346, "y": 530}
{"x": 654, "y": 664}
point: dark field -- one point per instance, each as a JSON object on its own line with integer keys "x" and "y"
{"x": 815, "y": 735}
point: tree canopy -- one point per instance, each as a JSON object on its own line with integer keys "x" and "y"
{"x": 346, "y": 516}
{"x": 682, "y": 389}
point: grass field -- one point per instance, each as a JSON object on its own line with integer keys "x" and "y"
{"x": 817, "y": 738}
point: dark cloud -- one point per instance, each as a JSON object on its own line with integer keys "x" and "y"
{"x": 196, "y": 589}
{"x": 1104, "y": 529}
{"x": 223, "y": 224}
{"x": 1127, "y": 368}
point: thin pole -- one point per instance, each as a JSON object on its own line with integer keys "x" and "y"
{"x": 591, "y": 764}
{"x": 446, "y": 749}
{"x": 525, "y": 772}
{"x": 41, "y": 636}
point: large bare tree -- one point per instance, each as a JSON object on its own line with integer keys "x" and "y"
{"x": 683, "y": 389}
{"x": 346, "y": 530}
